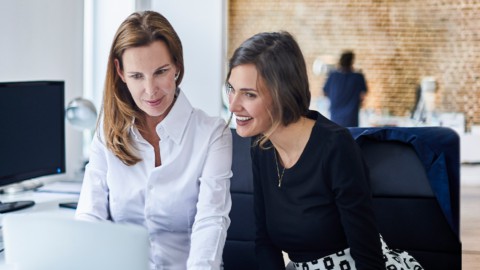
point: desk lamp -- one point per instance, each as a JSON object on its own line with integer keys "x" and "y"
{"x": 82, "y": 115}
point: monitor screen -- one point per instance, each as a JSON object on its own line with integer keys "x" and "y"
{"x": 32, "y": 136}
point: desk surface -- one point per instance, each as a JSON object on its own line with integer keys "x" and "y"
{"x": 46, "y": 201}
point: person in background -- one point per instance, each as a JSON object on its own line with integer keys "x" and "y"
{"x": 311, "y": 192}
{"x": 346, "y": 90}
{"x": 155, "y": 160}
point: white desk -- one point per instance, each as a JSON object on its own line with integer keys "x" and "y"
{"x": 46, "y": 201}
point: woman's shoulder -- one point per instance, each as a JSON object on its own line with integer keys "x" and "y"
{"x": 99, "y": 134}
{"x": 325, "y": 125}
{"x": 327, "y": 130}
{"x": 209, "y": 125}
{"x": 202, "y": 119}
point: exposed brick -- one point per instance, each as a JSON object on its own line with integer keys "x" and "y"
{"x": 396, "y": 43}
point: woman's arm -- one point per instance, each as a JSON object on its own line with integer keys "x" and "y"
{"x": 269, "y": 257}
{"x": 350, "y": 185}
{"x": 93, "y": 203}
{"x": 214, "y": 202}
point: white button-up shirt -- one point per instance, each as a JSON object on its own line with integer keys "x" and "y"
{"x": 184, "y": 203}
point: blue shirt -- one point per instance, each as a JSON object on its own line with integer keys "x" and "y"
{"x": 344, "y": 90}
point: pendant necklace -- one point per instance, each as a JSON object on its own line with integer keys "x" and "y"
{"x": 280, "y": 176}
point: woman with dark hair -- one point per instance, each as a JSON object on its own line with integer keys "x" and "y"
{"x": 311, "y": 192}
{"x": 156, "y": 161}
{"x": 346, "y": 90}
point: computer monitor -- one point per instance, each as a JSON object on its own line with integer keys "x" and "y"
{"x": 32, "y": 139}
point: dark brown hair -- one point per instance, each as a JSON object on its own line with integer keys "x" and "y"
{"x": 282, "y": 72}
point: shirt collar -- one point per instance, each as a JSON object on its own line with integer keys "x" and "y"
{"x": 175, "y": 123}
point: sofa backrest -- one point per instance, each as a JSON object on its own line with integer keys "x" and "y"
{"x": 239, "y": 251}
{"x": 406, "y": 204}
{"x": 408, "y": 214}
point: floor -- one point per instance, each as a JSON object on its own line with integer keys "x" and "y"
{"x": 470, "y": 217}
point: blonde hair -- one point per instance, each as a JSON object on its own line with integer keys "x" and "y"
{"x": 119, "y": 110}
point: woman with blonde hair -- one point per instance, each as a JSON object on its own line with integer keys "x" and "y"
{"x": 155, "y": 160}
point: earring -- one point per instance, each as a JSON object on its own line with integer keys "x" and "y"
{"x": 176, "y": 76}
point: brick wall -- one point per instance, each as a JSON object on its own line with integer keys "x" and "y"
{"x": 397, "y": 43}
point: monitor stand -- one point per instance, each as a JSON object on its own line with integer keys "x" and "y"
{"x": 21, "y": 187}
{"x": 14, "y": 206}
{"x": 6, "y": 207}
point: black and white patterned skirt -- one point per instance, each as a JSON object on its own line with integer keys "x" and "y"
{"x": 394, "y": 260}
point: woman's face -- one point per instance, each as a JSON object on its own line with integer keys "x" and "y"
{"x": 149, "y": 74}
{"x": 249, "y": 104}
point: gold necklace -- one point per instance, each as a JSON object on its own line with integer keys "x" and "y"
{"x": 280, "y": 177}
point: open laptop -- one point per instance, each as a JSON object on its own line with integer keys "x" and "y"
{"x": 41, "y": 242}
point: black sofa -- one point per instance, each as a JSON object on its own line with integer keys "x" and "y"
{"x": 415, "y": 182}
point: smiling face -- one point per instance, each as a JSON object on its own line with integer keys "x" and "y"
{"x": 149, "y": 73}
{"x": 248, "y": 103}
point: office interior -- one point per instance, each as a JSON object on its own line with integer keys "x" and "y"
{"x": 398, "y": 45}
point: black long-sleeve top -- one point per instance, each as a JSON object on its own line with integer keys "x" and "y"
{"x": 323, "y": 205}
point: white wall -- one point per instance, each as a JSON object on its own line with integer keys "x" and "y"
{"x": 105, "y": 17}
{"x": 201, "y": 26}
{"x": 43, "y": 40}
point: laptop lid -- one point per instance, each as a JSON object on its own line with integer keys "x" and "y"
{"x": 40, "y": 242}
